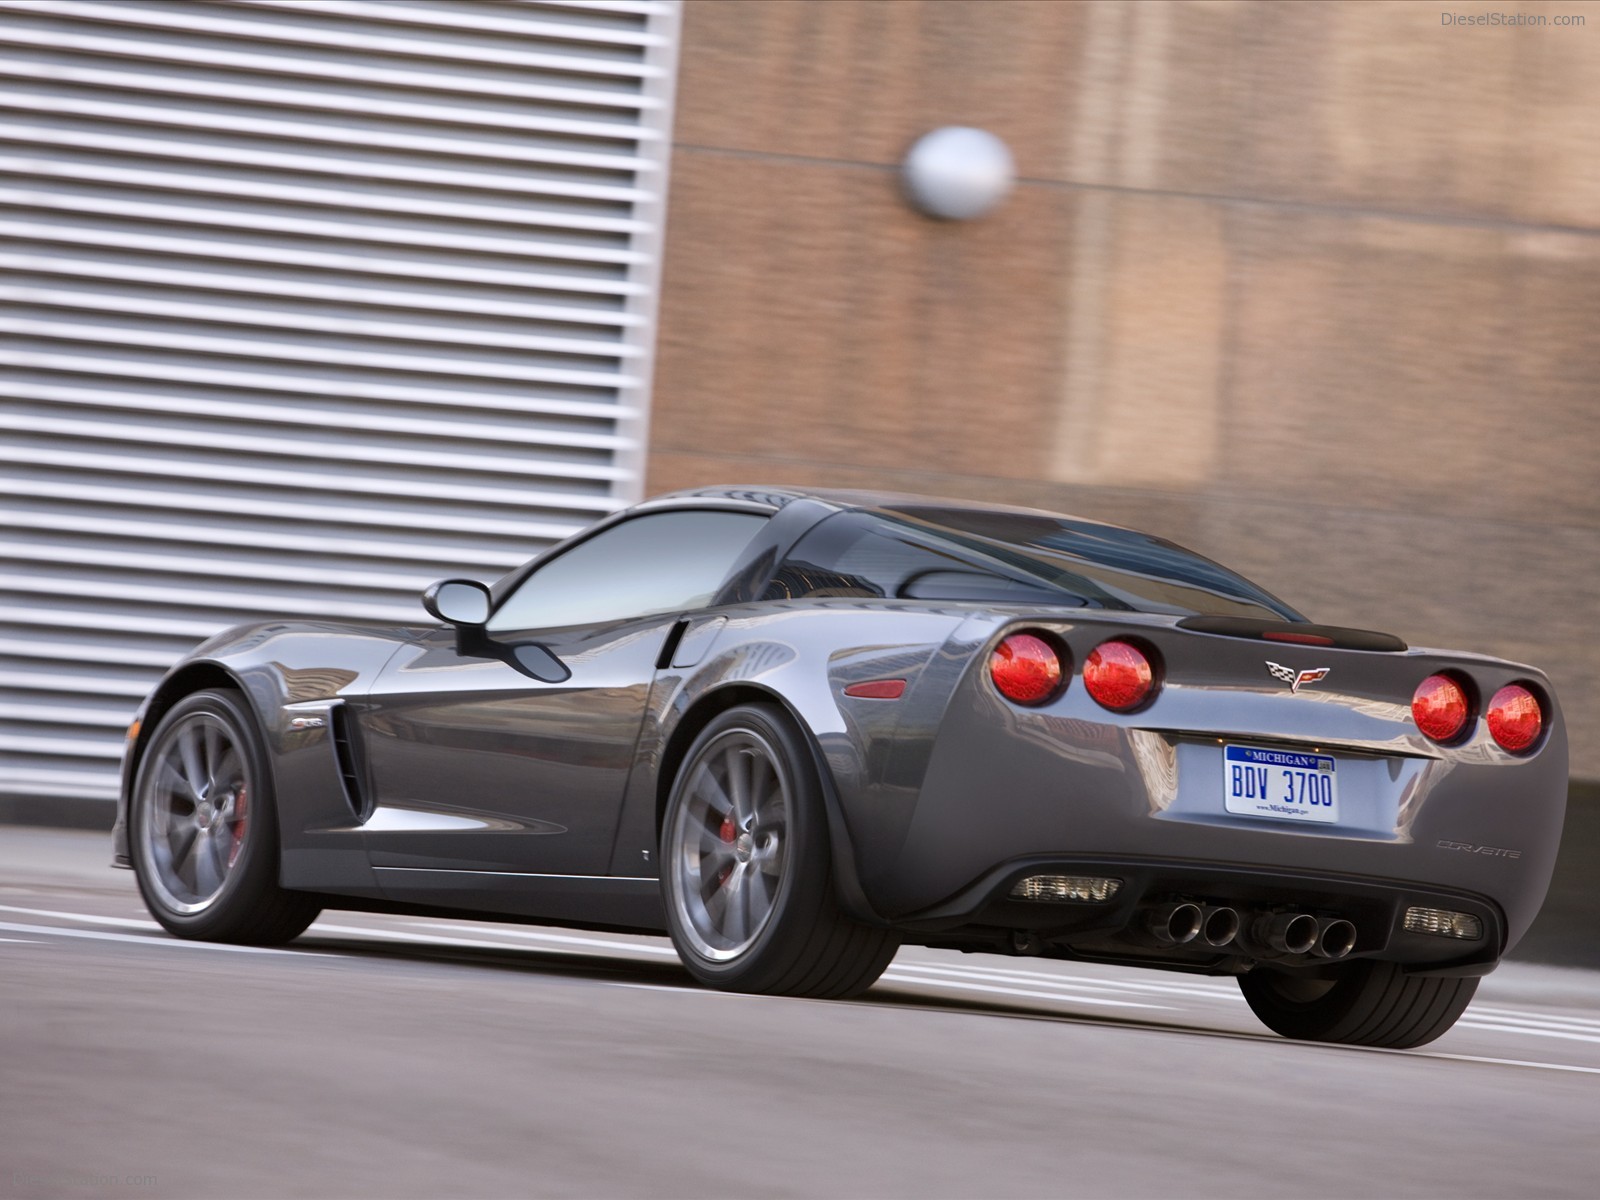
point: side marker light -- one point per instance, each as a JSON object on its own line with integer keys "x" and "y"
{"x": 877, "y": 689}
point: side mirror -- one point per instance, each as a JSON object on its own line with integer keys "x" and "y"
{"x": 465, "y": 604}
{"x": 533, "y": 659}
{"x": 457, "y": 602}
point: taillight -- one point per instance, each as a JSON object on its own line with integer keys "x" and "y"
{"x": 1119, "y": 675}
{"x": 1516, "y": 718}
{"x": 1440, "y": 708}
{"x": 1026, "y": 669}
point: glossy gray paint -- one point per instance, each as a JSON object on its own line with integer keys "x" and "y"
{"x": 475, "y": 766}
{"x": 545, "y": 798}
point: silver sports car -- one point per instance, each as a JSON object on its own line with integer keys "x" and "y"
{"x": 795, "y": 730}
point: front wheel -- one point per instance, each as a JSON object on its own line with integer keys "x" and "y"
{"x": 1361, "y": 1003}
{"x": 203, "y": 828}
{"x": 745, "y": 867}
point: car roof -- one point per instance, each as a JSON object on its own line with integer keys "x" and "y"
{"x": 775, "y": 497}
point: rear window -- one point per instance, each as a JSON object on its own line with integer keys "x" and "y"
{"x": 926, "y": 552}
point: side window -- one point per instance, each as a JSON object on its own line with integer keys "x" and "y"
{"x": 660, "y": 562}
{"x": 857, "y": 555}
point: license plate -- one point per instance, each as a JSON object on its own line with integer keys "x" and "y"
{"x": 1283, "y": 784}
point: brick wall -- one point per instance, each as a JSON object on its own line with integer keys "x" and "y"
{"x": 1314, "y": 289}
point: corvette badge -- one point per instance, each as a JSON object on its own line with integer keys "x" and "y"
{"x": 1296, "y": 678}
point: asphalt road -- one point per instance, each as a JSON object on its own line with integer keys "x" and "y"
{"x": 390, "y": 1057}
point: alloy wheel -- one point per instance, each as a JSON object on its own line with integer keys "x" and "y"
{"x": 730, "y": 844}
{"x": 195, "y": 812}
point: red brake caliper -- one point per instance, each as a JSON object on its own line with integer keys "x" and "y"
{"x": 727, "y": 833}
{"x": 240, "y": 816}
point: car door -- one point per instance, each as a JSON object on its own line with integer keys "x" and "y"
{"x": 477, "y": 766}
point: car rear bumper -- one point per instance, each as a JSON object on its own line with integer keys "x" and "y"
{"x": 1073, "y": 782}
{"x": 985, "y": 911}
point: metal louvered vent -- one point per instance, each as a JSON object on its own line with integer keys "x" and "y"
{"x": 304, "y": 303}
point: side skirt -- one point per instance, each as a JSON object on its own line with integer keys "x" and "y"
{"x": 597, "y": 901}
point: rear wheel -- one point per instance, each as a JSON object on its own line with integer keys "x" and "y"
{"x": 204, "y": 830}
{"x": 1361, "y": 1003}
{"x": 745, "y": 868}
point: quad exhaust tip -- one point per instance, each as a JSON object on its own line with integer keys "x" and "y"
{"x": 1287, "y": 933}
{"x": 1180, "y": 923}
{"x": 1174, "y": 924}
{"x": 1335, "y": 939}
{"x": 1301, "y": 933}
{"x": 1220, "y": 925}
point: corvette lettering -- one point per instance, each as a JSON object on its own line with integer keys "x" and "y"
{"x": 1489, "y": 851}
{"x": 1297, "y": 679}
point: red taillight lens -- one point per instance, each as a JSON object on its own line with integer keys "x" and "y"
{"x": 1516, "y": 718}
{"x": 1119, "y": 675}
{"x": 1440, "y": 708}
{"x": 1026, "y": 669}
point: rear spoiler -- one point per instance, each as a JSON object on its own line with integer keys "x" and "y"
{"x": 1298, "y": 633}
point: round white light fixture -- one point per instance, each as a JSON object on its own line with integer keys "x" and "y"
{"x": 958, "y": 173}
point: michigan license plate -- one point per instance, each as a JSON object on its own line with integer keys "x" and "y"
{"x": 1283, "y": 784}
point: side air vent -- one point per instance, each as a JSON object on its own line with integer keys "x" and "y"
{"x": 346, "y": 742}
{"x": 1295, "y": 633}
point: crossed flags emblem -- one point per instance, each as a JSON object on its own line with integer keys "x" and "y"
{"x": 1295, "y": 678}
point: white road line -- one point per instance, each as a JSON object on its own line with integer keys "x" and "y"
{"x": 24, "y": 941}
{"x": 894, "y": 977}
{"x": 691, "y": 991}
{"x": 356, "y": 930}
{"x": 1500, "y": 1062}
{"x": 100, "y": 936}
{"x": 1040, "y": 978}
{"x": 992, "y": 963}
{"x": 560, "y": 939}
{"x": 1517, "y": 1014}
{"x": 1541, "y": 1021}
{"x": 86, "y": 918}
{"x": 1530, "y": 1031}
{"x": 420, "y": 939}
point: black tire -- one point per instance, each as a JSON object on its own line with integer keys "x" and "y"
{"x": 769, "y": 849}
{"x": 203, "y": 828}
{"x": 1361, "y": 1003}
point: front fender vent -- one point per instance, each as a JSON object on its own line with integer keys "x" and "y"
{"x": 347, "y": 754}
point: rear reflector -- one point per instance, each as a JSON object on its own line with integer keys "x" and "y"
{"x": 1515, "y": 718}
{"x": 1078, "y": 889}
{"x": 1441, "y": 922}
{"x": 878, "y": 689}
